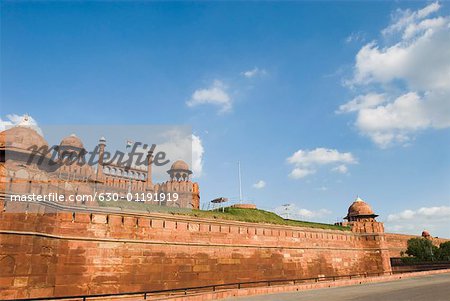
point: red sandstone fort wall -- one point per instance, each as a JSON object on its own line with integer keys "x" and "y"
{"x": 53, "y": 252}
{"x": 398, "y": 243}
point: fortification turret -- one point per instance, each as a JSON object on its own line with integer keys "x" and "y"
{"x": 361, "y": 218}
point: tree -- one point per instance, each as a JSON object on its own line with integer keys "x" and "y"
{"x": 422, "y": 249}
{"x": 444, "y": 251}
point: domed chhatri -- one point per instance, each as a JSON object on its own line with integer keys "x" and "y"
{"x": 180, "y": 165}
{"x": 24, "y": 138}
{"x": 426, "y": 234}
{"x": 179, "y": 171}
{"x": 361, "y": 218}
{"x": 69, "y": 146}
{"x": 360, "y": 210}
{"x": 72, "y": 141}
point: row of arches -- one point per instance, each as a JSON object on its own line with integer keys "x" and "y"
{"x": 119, "y": 172}
{"x": 124, "y": 183}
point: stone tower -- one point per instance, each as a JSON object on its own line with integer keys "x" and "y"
{"x": 180, "y": 182}
{"x": 101, "y": 154}
{"x": 361, "y": 218}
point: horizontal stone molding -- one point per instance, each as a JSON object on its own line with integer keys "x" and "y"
{"x": 153, "y": 242}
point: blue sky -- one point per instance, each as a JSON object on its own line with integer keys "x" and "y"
{"x": 257, "y": 82}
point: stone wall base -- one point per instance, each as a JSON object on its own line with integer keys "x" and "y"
{"x": 292, "y": 288}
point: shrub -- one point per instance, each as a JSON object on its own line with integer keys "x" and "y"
{"x": 422, "y": 249}
{"x": 444, "y": 251}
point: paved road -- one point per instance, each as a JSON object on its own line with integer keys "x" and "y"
{"x": 426, "y": 288}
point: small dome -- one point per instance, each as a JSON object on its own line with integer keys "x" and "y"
{"x": 425, "y": 233}
{"x": 359, "y": 208}
{"x": 72, "y": 141}
{"x": 180, "y": 165}
{"x": 22, "y": 137}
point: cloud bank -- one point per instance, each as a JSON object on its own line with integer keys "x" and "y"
{"x": 407, "y": 79}
{"x": 435, "y": 219}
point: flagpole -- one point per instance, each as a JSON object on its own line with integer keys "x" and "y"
{"x": 240, "y": 182}
{"x": 129, "y": 143}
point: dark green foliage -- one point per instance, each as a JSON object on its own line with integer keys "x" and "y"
{"x": 422, "y": 249}
{"x": 444, "y": 251}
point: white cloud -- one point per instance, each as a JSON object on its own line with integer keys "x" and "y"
{"x": 403, "y": 19}
{"x": 298, "y": 173}
{"x": 197, "y": 156}
{"x": 181, "y": 145}
{"x": 294, "y": 212}
{"x": 393, "y": 122}
{"x": 259, "y": 185}
{"x": 215, "y": 95}
{"x": 421, "y": 213}
{"x": 435, "y": 219}
{"x": 22, "y": 120}
{"x": 360, "y": 102}
{"x": 306, "y": 162}
{"x": 404, "y": 215}
{"x": 343, "y": 169}
{"x": 313, "y": 214}
{"x": 254, "y": 72}
{"x": 320, "y": 156}
{"x": 426, "y": 25}
{"x": 355, "y": 37}
{"x": 411, "y": 75}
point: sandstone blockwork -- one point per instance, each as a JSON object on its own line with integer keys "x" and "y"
{"x": 51, "y": 250}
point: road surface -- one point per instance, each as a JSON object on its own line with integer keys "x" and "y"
{"x": 424, "y": 288}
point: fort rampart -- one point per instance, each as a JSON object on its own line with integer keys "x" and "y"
{"x": 398, "y": 243}
{"x": 53, "y": 250}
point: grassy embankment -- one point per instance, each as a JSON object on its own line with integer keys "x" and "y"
{"x": 237, "y": 214}
{"x": 230, "y": 213}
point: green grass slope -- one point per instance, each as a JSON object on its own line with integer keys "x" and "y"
{"x": 229, "y": 213}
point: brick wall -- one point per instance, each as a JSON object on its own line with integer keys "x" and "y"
{"x": 55, "y": 251}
